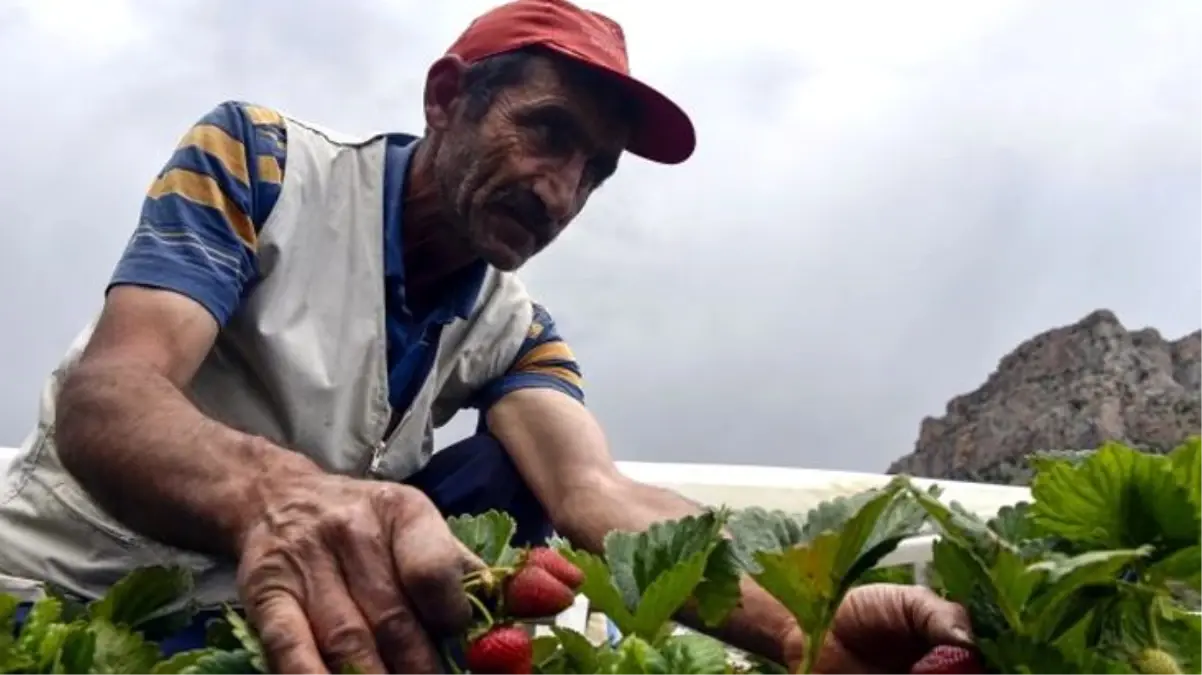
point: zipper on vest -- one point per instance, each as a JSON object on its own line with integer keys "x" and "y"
{"x": 377, "y": 455}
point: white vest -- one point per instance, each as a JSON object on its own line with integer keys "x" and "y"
{"x": 302, "y": 363}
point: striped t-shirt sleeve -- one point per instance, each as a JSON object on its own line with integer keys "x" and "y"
{"x": 544, "y": 361}
{"x": 200, "y": 221}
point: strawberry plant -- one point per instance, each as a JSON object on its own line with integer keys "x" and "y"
{"x": 1091, "y": 576}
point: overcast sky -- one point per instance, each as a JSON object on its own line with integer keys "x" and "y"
{"x": 886, "y": 196}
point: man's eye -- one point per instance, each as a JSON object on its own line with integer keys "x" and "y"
{"x": 554, "y": 138}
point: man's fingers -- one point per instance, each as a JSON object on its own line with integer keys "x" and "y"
{"x": 941, "y": 621}
{"x": 431, "y": 563}
{"x": 284, "y": 632}
{"x": 372, "y": 581}
{"x": 342, "y": 632}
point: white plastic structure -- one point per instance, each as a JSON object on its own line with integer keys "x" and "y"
{"x": 797, "y": 491}
{"x": 7, "y": 455}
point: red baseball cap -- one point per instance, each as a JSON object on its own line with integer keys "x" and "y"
{"x": 663, "y": 132}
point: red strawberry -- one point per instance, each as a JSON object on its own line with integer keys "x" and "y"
{"x": 533, "y": 593}
{"x": 504, "y": 649}
{"x": 948, "y": 659}
{"x": 559, "y": 567}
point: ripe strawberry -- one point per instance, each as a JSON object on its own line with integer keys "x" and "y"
{"x": 504, "y": 649}
{"x": 533, "y": 593}
{"x": 948, "y": 659}
{"x": 559, "y": 567}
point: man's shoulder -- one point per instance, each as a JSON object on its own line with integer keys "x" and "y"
{"x": 238, "y": 117}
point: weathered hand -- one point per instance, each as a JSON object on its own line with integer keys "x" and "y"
{"x": 339, "y": 572}
{"x": 886, "y": 628}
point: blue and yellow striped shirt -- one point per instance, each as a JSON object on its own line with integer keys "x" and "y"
{"x": 198, "y": 236}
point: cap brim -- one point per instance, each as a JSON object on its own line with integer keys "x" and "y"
{"x": 663, "y": 132}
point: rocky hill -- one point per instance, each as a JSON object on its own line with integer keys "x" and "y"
{"x": 1073, "y": 387}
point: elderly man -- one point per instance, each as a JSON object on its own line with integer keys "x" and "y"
{"x": 297, "y": 310}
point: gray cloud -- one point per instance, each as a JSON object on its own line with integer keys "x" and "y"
{"x": 883, "y": 203}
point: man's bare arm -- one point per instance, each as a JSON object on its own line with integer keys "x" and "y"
{"x": 131, "y": 438}
{"x": 561, "y": 452}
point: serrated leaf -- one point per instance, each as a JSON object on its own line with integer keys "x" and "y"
{"x": 141, "y": 595}
{"x": 236, "y": 662}
{"x": 810, "y": 580}
{"x": 666, "y": 594}
{"x": 487, "y": 535}
{"x": 247, "y": 638}
{"x": 1118, "y": 498}
{"x": 637, "y": 655}
{"x": 44, "y": 612}
{"x": 180, "y": 662}
{"x": 636, "y": 559}
{"x": 966, "y": 579}
{"x": 74, "y": 650}
{"x": 8, "y": 620}
{"x": 120, "y": 650}
{"x": 719, "y": 592}
{"x": 1068, "y": 579}
{"x": 580, "y": 656}
{"x": 50, "y": 646}
{"x": 691, "y": 653}
{"x": 963, "y": 527}
{"x": 1183, "y": 566}
{"x": 756, "y": 529}
{"x": 598, "y": 587}
{"x": 1187, "y": 469}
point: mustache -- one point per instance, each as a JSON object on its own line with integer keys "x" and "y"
{"x": 527, "y": 208}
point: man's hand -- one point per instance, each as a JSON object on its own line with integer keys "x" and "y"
{"x": 885, "y": 628}
{"x": 338, "y": 572}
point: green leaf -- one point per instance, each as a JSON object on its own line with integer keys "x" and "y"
{"x": 636, "y": 655}
{"x": 1016, "y": 653}
{"x": 142, "y": 595}
{"x": 234, "y": 662}
{"x": 182, "y": 661}
{"x": 75, "y": 650}
{"x": 963, "y": 527}
{"x": 1118, "y": 498}
{"x": 1183, "y": 566}
{"x": 1066, "y": 581}
{"x": 1187, "y": 469}
{"x": 599, "y": 588}
{"x": 719, "y": 593}
{"x": 487, "y": 535}
{"x": 8, "y": 620}
{"x": 810, "y": 580}
{"x": 755, "y": 529}
{"x": 580, "y": 656}
{"x": 655, "y": 572}
{"x": 692, "y": 653}
{"x": 120, "y": 650}
{"x": 45, "y": 612}
{"x": 636, "y": 559}
{"x": 666, "y": 594}
{"x": 247, "y": 638}
{"x": 545, "y": 647}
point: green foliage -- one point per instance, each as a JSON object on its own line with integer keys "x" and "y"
{"x": 1094, "y": 575}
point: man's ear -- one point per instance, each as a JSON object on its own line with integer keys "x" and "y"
{"x": 444, "y": 84}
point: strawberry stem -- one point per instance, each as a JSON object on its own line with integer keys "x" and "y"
{"x": 482, "y": 609}
{"x": 446, "y": 656}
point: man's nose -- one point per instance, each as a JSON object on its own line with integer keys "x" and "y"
{"x": 560, "y": 188}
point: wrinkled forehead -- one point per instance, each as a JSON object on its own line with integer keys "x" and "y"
{"x": 597, "y": 101}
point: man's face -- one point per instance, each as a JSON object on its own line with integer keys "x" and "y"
{"x": 512, "y": 180}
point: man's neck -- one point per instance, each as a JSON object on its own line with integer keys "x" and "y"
{"x": 433, "y": 254}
